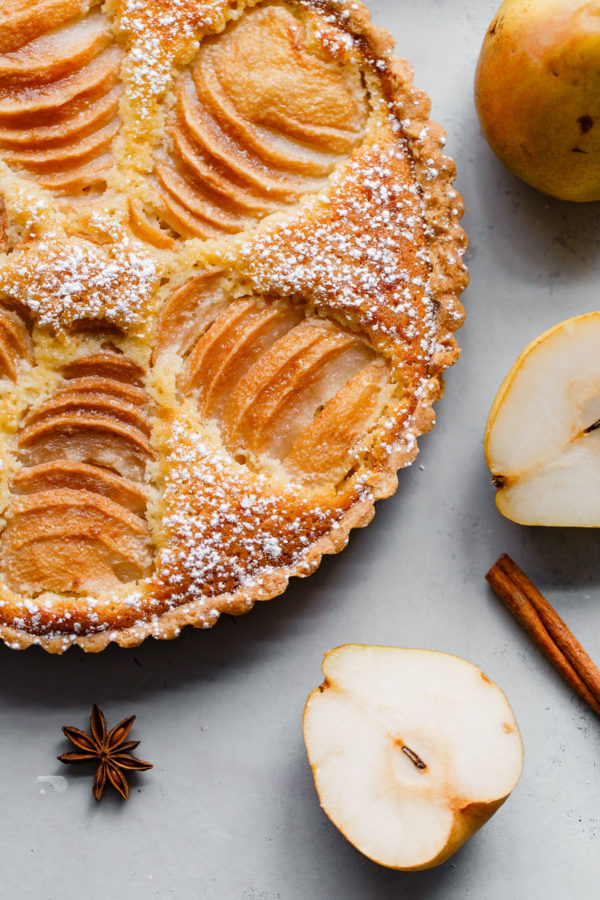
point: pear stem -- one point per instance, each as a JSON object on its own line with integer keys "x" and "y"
{"x": 550, "y": 633}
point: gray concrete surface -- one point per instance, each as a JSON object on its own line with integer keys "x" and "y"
{"x": 229, "y": 812}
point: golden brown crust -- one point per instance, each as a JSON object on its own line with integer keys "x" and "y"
{"x": 166, "y": 610}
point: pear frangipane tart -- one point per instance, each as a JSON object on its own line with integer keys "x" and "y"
{"x": 229, "y": 282}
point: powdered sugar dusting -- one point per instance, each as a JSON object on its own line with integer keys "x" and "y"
{"x": 66, "y": 281}
{"x": 161, "y": 36}
{"x": 362, "y": 251}
{"x": 231, "y": 529}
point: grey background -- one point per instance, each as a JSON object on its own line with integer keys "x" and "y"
{"x": 230, "y": 811}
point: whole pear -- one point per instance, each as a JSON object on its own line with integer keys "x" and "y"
{"x": 537, "y": 90}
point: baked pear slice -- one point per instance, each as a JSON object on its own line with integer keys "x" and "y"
{"x": 76, "y": 522}
{"x": 211, "y": 138}
{"x": 22, "y": 22}
{"x": 231, "y": 346}
{"x": 325, "y": 450}
{"x": 78, "y": 476}
{"x": 90, "y": 404}
{"x": 105, "y": 365}
{"x": 88, "y": 438}
{"x": 234, "y": 194}
{"x": 302, "y": 391}
{"x": 15, "y": 345}
{"x": 279, "y": 377}
{"x": 81, "y": 116}
{"x": 37, "y": 105}
{"x": 412, "y": 751}
{"x": 222, "y": 333}
{"x": 56, "y": 54}
{"x": 197, "y": 201}
{"x": 72, "y": 540}
{"x": 188, "y": 311}
{"x": 106, "y": 387}
{"x": 542, "y": 440}
{"x": 147, "y": 230}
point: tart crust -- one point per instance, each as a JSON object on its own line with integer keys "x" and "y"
{"x": 175, "y": 595}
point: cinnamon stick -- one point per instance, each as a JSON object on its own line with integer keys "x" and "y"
{"x": 547, "y": 629}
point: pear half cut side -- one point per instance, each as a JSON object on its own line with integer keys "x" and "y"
{"x": 542, "y": 440}
{"x": 411, "y": 751}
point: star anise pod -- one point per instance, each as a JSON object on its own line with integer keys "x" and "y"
{"x": 109, "y": 748}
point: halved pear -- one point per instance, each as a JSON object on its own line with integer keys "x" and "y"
{"x": 542, "y": 439}
{"x": 411, "y": 751}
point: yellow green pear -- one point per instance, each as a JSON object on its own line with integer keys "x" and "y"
{"x": 537, "y": 90}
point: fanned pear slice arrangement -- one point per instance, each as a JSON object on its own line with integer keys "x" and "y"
{"x": 542, "y": 439}
{"x": 411, "y": 750}
{"x": 76, "y": 521}
{"x": 59, "y": 70}
{"x": 300, "y": 390}
{"x": 239, "y": 149}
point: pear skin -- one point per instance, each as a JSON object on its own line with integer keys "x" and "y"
{"x": 537, "y": 90}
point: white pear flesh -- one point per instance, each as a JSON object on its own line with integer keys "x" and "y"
{"x": 541, "y": 444}
{"x": 411, "y": 751}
